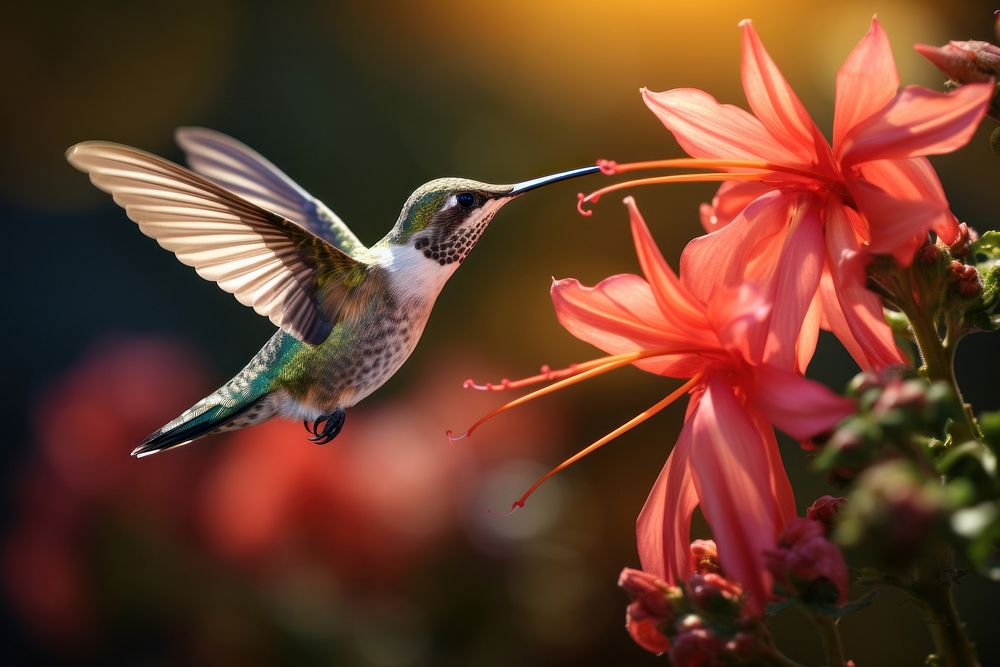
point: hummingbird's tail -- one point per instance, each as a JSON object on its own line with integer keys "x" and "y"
{"x": 231, "y": 407}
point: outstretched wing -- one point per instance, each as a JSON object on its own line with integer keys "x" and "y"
{"x": 298, "y": 280}
{"x": 239, "y": 168}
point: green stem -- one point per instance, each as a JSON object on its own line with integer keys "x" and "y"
{"x": 831, "y": 640}
{"x": 933, "y": 590}
{"x": 778, "y": 659}
{"x": 933, "y": 586}
{"x": 938, "y": 357}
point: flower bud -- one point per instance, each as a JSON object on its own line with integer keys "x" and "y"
{"x": 705, "y": 557}
{"x": 744, "y": 646}
{"x": 906, "y": 395}
{"x": 852, "y": 447}
{"x": 696, "y": 646}
{"x": 963, "y": 244}
{"x": 964, "y": 62}
{"x": 824, "y": 511}
{"x": 646, "y": 631}
{"x": 651, "y": 609}
{"x": 929, "y": 254}
{"x": 964, "y": 278}
{"x": 653, "y": 593}
{"x": 714, "y": 594}
{"x": 808, "y": 565}
{"x": 890, "y": 515}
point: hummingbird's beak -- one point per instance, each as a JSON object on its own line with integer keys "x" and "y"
{"x": 521, "y": 188}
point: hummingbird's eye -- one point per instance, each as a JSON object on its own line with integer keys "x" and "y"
{"x": 466, "y": 199}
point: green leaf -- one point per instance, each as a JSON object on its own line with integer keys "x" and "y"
{"x": 989, "y": 423}
{"x": 962, "y": 460}
{"x": 979, "y": 525}
{"x": 985, "y": 256}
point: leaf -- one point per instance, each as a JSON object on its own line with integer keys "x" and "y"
{"x": 962, "y": 460}
{"x": 986, "y": 257}
{"x": 989, "y": 422}
{"x": 980, "y": 526}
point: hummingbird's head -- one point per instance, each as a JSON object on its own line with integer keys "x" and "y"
{"x": 443, "y": 219}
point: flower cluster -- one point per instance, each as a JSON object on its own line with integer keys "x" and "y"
{"x": 700, "y": 621}
{"x": 853, "y": 235}
{"x": 807, "y": 566}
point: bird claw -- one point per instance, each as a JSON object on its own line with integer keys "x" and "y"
{"x": 326, "y": 427}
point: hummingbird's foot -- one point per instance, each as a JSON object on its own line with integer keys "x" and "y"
{"x": 326, "y": 427}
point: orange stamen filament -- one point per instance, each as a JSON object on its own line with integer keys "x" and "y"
{"x": 545, "y": 374}
{"x": 658, "y": 180}
{"x": 610, "y": 167}
{"x": 590, "y": 369}
{"x": 761, "y": 170}
{"x": 624, "y": 428}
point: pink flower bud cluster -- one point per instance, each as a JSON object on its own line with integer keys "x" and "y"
{"x": 806, "y": 565}
{"x": 700, "y": 623}
{"x": 964, "y": 278}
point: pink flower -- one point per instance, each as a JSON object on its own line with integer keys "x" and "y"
{"x": 726, "y": 458}
{"x": 799, "y": 216}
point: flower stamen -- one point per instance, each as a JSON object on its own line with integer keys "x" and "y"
{"x": 545, "y": 374}
{"x": 570, "y": 376}
{"x": 624, "y": 428}
{"x": 594, "y": 196}
{"x": 610, "y": 167}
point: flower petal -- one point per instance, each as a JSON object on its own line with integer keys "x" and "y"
{"x": 730, "y": 199}
{"x": 918, "y": 121}
{"x": 902, "y": 200}
{"x": 809, "y": 336}
{"x": 781, "y": 487}
{"x": 852, "y": 311}
{"x": 799, "y": 268}
{"x": 677, "y": 303}
{"x": 798, "y": 406}
{"x": 663, "y": 529}
{"x": 740, "y": 316}
{"x": 866, "y": 82}
{"x": 776, "y": 105}
{"x": 723, "y": 259}
{"x": 620, "y": 314}
{"x": 733, "y": 480}
{"x": 706, "y": 129}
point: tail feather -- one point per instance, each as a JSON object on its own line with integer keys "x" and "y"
{"x": 207, "y": 416}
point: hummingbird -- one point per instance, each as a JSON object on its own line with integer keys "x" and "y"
{"x": 348, "y": 316}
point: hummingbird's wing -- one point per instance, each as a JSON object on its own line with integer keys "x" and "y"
{"x": 298, "y": 280}
{"x": 246, "y": 172}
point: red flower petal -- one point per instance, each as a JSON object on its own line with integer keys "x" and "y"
{"x": 663, "y": 529}
{"x": 732, "y": 476}
{"x": 706, "y": 129}
{"x": 677, "y": 303}
{"x": 776, "y": 105}
{"x": 799, "y": 407}
{"x": 866, "y": 82}
{"x": 917, "y": 122}
{"x": 853, "y": 313}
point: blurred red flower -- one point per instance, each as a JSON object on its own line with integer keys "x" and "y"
{"x": 385, "y": 494}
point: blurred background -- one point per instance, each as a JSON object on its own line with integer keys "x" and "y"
{"x": 258, "y": 548}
